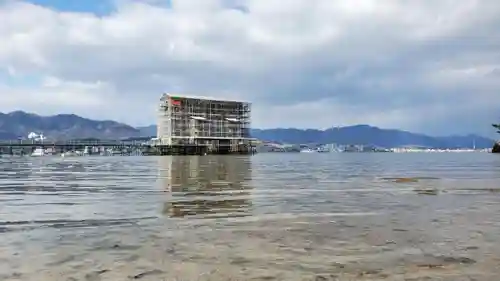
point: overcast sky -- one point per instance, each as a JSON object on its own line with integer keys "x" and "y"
{"x": 425, "y": 66}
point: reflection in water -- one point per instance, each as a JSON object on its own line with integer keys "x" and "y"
{"x": 329, "y": 216}
{"x": 206, "y": 186}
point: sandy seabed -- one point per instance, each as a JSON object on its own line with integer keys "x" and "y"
{"x": 320, "y": 247}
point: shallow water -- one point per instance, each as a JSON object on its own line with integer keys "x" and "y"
{"x": 264, "y": 217}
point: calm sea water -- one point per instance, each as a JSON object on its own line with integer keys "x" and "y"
{"x": 264, "y": 217}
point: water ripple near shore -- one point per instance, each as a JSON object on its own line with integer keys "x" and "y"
{"x": 265, "y": 217}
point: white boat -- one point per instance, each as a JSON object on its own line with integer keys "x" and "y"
{"x": 111, "y": 151}
{"x": 38, "y": 152}
{"x": 308, "y": 150}
{"x": 68, "y": 154}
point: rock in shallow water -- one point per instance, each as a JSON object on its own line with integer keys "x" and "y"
{"x": 496, "y": 148}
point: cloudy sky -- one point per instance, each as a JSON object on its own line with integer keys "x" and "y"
{"x": 425, "y": 65}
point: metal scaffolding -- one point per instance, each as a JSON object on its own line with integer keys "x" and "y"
{"x": 203, "y": 121}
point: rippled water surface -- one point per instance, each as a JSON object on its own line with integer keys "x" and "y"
{"x": 264, "y": 217}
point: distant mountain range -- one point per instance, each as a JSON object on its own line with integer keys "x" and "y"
{"x": 19, "y": 124}
{"x": 369, "y": 135}
{"x": 147, "y": 130}
{"x": 69, "y": 126}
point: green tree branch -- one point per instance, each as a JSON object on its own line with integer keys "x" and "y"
{"x": 497, "y": 126}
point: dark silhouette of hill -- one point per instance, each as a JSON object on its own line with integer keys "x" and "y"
{"x": 19, "y": 124}
{"x": 369, "y": 135}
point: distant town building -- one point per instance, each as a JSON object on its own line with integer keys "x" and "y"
{"x": 36, "y": 137}
{"x": 203, "y": 121}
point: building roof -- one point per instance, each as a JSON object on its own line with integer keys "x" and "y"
{"x": 202, "y": 98}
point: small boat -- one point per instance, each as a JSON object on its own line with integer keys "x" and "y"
{"x": 68, "y": 154}
{"x": 322, "y": 150}
{"x": 38, "y": 152}
{"x": 307, "y": 150}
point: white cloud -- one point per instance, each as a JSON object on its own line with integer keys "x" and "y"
{"x": 303, "y": 63}
{"x": 53, "y": 94}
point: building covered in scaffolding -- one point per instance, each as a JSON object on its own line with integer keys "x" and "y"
{"x": 219, "y": 124}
